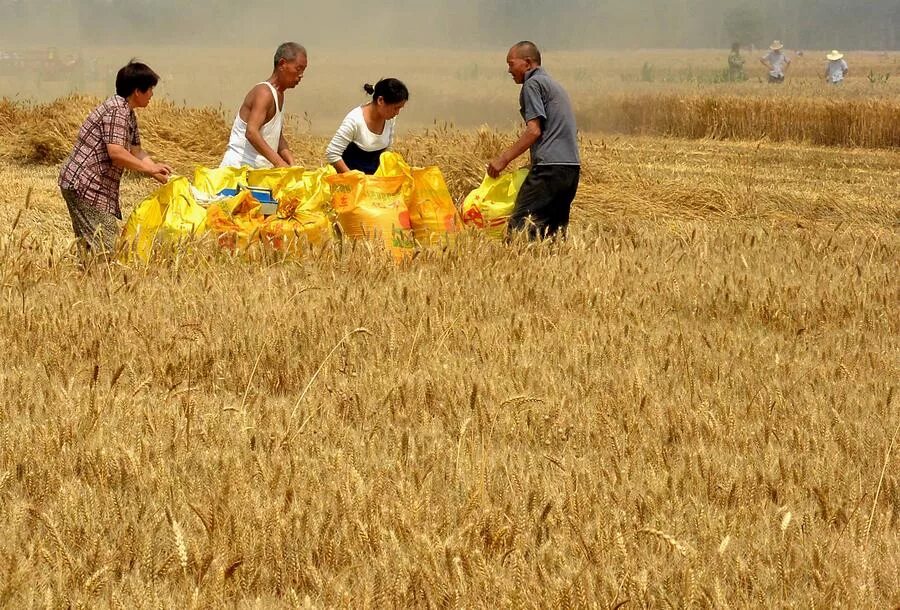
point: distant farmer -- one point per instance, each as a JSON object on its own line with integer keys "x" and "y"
{"x": 837, "y": 68}
{"x": 777, "y": 62}
{"x": 108, "y": 143}
{"x": 545, "y": 199}
{"x": 736, "y": 64}
{"x": 256, "y": 137}
{"x": 368, "y": 130}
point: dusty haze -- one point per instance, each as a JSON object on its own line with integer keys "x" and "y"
{"x": 450, "y": 54}
{"x": 576, "y": 24}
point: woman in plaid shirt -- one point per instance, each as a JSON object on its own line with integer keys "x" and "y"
{"x": 108, "y": 143}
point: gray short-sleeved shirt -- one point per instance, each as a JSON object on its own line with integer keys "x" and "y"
{"x": 543, "y": 98}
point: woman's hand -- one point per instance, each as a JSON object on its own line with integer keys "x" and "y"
{"x": 158, "y": 171}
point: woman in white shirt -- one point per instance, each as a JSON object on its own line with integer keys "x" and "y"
{"x": 368, "y": 130}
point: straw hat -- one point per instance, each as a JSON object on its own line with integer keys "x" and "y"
{"x": 835, "y": 55}
{"x": 776, "y": 46}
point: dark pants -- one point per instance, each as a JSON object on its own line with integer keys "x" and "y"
{"x": 544, "y": 201}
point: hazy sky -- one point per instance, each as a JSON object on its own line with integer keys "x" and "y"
{"x": 363, "y": 25}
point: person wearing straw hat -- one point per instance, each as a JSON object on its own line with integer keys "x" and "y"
{"x": 777, "y": 62}
{"x": 837, "y": 68}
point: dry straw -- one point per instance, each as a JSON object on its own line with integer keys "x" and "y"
{"x": 45, "y": 133}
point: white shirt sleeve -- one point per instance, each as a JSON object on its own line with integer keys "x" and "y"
{"x": 345, "y": 134}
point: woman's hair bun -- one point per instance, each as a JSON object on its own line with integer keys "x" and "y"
{"x": 370, "y": 89}
{"x": 391, "y": 90}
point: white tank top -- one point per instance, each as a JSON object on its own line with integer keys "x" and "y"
{"x": 240, "y": 151}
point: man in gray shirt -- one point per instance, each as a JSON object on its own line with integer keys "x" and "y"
{"x": 545, "y": 199}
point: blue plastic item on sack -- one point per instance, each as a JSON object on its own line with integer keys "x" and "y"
{"x": 268, "y": 204}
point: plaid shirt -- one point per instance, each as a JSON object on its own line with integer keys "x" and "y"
{"x": 89, "y": 171}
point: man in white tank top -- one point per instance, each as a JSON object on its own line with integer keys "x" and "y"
{"x": 256, "y": 137}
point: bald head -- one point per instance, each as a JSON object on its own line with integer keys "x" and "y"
{"x": 526, "y": 50}
{"x": 523, "y": 57}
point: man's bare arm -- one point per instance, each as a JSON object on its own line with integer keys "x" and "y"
{"x": 256, "y": 118}
{"x": 284, "y": 151}
{"x": 529, "y": 136}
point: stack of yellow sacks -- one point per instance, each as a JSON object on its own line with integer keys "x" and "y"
{"x": 400, "y": 206}
{"x": 176, "y": 212}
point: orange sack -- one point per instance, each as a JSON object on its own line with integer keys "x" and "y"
{"x": 373, "y": 208}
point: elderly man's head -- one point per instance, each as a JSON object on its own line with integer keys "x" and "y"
{"x": 522, "y": 57}
{"x": 290, "y": 64}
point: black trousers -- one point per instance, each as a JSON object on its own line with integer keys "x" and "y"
{"x": 545, "y": 200}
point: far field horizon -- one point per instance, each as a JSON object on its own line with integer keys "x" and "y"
{"x": 465, "y": 88}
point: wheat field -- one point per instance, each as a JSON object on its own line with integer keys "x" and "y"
{"x": 691, "y": 402}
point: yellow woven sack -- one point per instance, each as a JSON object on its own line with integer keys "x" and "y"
{"x": 213, "y": 180}
{"x": 490, "y": 205}
{"x": 274, "y": 177}
{"x": 293, "y": 234}
{"x": 432, "y": 214}
{"x": 373, "y": 207}
{"x": 168, "y": 216}
{"x": 302, "y": 216}
{"x": 391, "y": 164}
{"x": 305, "y": 192}
{"x": 236, "y": 221}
